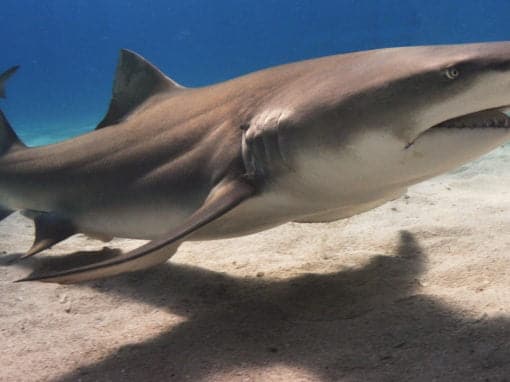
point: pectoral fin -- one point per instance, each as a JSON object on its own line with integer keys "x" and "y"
{"x": 224, "y": 197}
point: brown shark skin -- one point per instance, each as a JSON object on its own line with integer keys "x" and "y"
{"x": 142, "y": 177}
{"x": 176, "y": 146}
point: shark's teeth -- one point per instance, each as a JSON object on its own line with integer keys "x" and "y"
{"x": 494, "y": 118}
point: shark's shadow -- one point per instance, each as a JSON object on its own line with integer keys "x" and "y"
{"x": 368, "y": 324}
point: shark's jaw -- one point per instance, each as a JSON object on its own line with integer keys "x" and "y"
{"x": 495, "y": 119}
{"x": 448, "y": 145}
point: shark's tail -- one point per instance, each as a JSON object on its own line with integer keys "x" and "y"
{"x": 9, "y": 140}
{"x": 49, "y": 227}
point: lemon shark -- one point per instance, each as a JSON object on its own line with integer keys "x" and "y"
{"x": 312, "y": 141}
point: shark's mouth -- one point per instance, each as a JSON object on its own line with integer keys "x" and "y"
{"x": 497, "y": 119}
{"x": 492, "y": 118}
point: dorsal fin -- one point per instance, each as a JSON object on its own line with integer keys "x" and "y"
{"x": 136, "y": 81}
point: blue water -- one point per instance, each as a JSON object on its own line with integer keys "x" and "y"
{"x": 68, "y": 49}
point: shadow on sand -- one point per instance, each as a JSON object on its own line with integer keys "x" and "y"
{"x": 368, "y": 324}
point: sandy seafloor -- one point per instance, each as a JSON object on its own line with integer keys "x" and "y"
{"x": 416, "y": 290}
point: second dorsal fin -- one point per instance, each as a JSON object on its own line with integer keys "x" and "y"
{"x": 50, "y": 229}
{"x": 136, "y": 81}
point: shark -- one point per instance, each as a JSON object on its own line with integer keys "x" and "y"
{"x": 312, "y": 141}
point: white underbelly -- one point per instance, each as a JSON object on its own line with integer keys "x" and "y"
{"x": 291, "y": 198}
{"x": 134, "y": 222}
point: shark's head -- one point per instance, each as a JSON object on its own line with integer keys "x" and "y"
{"x": 407, "y": 114}
{"x": 446, "y": 93}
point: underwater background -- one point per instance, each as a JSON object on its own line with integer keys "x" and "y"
{"x": 68, "y": 49}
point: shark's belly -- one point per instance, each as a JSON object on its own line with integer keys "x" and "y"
{"x": 156, "y": 216}
{"x": 273, "y": 209}
{"x": 139, "y": 222}
{"x": 131, "y": 221}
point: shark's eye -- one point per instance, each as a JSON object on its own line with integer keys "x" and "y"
{"x": 451, "y": 73}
